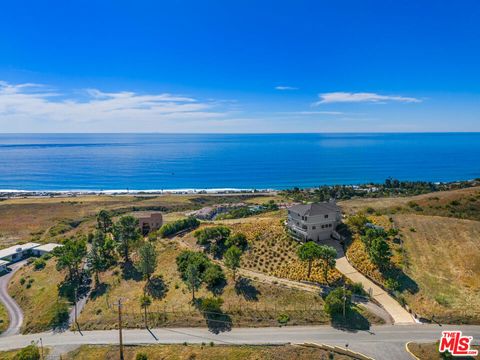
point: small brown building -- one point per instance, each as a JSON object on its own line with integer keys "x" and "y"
{"x": 149, "y": 222}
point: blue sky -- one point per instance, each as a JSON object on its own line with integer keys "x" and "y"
{"x": 244, "y": 66}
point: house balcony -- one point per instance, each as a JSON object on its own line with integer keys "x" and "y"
{"x": 297, "y": 232}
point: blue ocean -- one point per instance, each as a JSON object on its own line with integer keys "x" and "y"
{"x": 215, "y": 161}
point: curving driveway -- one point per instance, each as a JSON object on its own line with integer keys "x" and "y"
{"x": 399, "y": 315}
{"x": 15, "y": 313}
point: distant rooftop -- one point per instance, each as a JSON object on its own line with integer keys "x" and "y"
{"x": 47, "y": 247}
{"x": 17, "y": 249}
{"x": 315, "y": 209}
{"x": 145, "y": 214}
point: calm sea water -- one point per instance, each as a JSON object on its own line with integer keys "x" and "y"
{"x": 160, "y": 161}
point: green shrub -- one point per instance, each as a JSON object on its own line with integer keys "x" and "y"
{"x": 177, "y": 226}
{"x": 392, "y": 284}
{"x": 60, "y": 315}
{"x": 141, "y": 356}
{"x": 39, "y": 264}
{"x": 153, "y": 236}
{"x": 283, "y": 319}
{"x": 22, "y": 280}
{"x": 335, "y": 300}
{"x": 357, "y": 288}
{"x": 30, "y": 352}
{"x": 211, "y": 304}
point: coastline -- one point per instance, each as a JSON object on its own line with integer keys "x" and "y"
{"x": 11, "y": 193}
{"x": 369, "y": 187}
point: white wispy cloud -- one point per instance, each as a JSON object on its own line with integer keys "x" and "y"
{"x": 349, "y": 97}
{"x": 282, "y": 88}
{"x": 22, "y": 102}
{"x": 317, "y": 112}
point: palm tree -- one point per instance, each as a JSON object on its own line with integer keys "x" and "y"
{"x": 328, "y": 255}
{"x": 308, "y": 252}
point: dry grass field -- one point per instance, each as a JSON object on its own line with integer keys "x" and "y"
{"x": 204, "y": 352}
{"x": 440, "y": 258}
{"x": 50, "y": 219}
{"x": 37, "y": 296}
{"x": 251, "y": 303}
{"x": 443, "y": 257}
{"x": 3, "y": 318}
{"x": 462, "y": 203}
{"x": 429, "y": 351}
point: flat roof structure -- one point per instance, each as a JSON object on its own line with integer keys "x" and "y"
{"x": 47, "y": 247}
{"x": 12, "y": 250}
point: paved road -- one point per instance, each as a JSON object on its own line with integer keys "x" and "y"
{"x": 399, "y": 315}
{"x": 15, "y": 313}
{"x": 380, "y": 342}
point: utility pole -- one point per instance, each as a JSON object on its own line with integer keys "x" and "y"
{"x": 76, "y": 300}
{"x": 41, "y": 348}
{"x": 344, "y": 300}
{"x": 120, "y": 328}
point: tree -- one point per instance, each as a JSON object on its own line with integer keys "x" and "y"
{"x": 70, "y": 256}
{"x": 105, "y": 245}
{"x": 96, "y": 262}
{"x": 177, "y": 226}
{"x": 238, "y": 239}
{"x": 308, "y": 252}
{"x": 213, "y": 276}
{"x": 145, "y": 302}
{"x": 193, "y": 279}
{"x": 337, "y": 300}
{"x": 197, "y": 259}
{"x": 380, "y": 252}
{"x": 212, "y": 237}
{"x": 328, "y": 255}
{"x": 127, "y": 234}
{"x": 232, "y": 259}
{"x": 358, "y": 222}
{"x": 104, "y": 222}
{"x": 148, "y": 260}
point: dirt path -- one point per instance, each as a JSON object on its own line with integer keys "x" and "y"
{"x": 15, "y": 313}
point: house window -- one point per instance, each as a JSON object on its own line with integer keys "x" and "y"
{"x": 326, "y": 216}
{"x": 314, "y": 227}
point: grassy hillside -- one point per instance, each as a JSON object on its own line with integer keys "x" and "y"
{"x": 429, "y": 351}
{"x": 250, "y": 303}
{"x": 204, "y": 352}
{"x": 443, "y": 257}
{"x": 437, "y": 261}
{"x": 3, "y": 318}
{"x": 36, "y": 292}
{"x": 463, "y": 204}
{"x": 49, "y": 219}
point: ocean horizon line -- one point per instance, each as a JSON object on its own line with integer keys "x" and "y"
{"x": 242, "y": 133}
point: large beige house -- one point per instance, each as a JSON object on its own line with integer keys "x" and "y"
{"x": 315, "y": 222}
{"x": 149, "y": 221}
